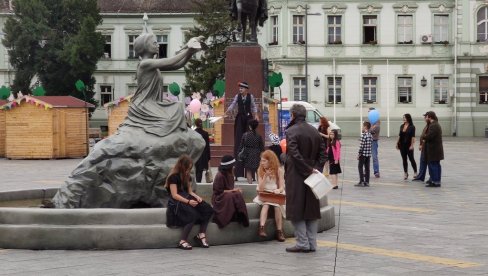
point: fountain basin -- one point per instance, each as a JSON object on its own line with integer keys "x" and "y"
{"x": 37, "y": 228}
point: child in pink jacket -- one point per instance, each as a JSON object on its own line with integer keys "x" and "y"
{"x": 334, "y": 155}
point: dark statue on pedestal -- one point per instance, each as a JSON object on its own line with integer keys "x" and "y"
{"x": 254, "y": 11}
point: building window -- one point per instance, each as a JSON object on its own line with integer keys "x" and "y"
{"x": 369, "y": 89}
{"x": 338, "y": 89}
{"x": 334, "y": 28}
{"x": 482, "y": 26}
{"x": 299, "y": 89}
{"x": 107, "y": 48}
{"x": 405, "y": 29}
{"x": 105, "y": 94}
{"x": 441, "y": 87}
{"x": 404, "y": 90}
{"x": 441, "y": 28}
{"x": 483, "y": 87}
{"x": 163, "y": 45}
{"x": 274, "y": 30}
{"x": 132, "y": 53}
{"x": 369, "y": 29}
{"x": 298, "y": 28}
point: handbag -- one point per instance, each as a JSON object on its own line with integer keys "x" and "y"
{"x": 208, "y": 176}
{"x": 279, "y": 199}
{"x": 242, "y": 155}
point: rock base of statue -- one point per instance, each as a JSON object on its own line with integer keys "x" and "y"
{"x": 244, "y": 62}
{"x": 127, "y": 170}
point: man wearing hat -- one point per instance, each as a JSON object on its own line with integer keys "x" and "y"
{"x": 433, "y": 149}
{"x": 246, "y": 107}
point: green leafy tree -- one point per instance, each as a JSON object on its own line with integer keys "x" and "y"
{"x": 57, "y": 41}
{"x": 213, "y": 22}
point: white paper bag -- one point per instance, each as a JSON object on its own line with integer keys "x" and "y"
{"x": 319, "y": 184}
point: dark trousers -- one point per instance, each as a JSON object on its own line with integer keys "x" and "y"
{"x": 435, "y": 171}
{"x": 364, "y": 163}
{"x": 422, "y": 167}
{"x": 406, "y": 152}
{"x": 199, "y": 173}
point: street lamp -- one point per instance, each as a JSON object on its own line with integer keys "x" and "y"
{"x": 306, "y": 45}
{"x": 316, "y": 82}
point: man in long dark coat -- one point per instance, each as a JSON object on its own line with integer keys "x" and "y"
{"x": 433, "y": 149}
{"x": 305, "y": 154}
{"x": 202, "y": 162}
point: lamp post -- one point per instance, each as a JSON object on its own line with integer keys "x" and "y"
{"x": 306, "y": 46}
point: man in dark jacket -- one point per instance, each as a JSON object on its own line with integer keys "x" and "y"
{"x": 305, "y": 154}
{"x": 202, "y": 162}
{"x": 433, "y": 149}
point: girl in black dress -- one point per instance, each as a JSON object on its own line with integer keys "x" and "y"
{"x": 185, "y": 208}
{"x": 253, "y": 145}
{"x": 406, "y": 143}
{"x": 334, "y": 156}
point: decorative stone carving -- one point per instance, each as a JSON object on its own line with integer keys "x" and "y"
{"x": 405, "y": 50}
{"x": 369, "y": 50}
{"x": 370, "y": 8}
{"x": 442, "y": 7}
{"x": 405, "y": 7}
{"x": 405, "y": 69}
{"x": 274, "y": 52}
{"x": 369, "y": 69}
{"x": 442, "y": 68}
{"x": 334, "y": 50}
{"x": 296, "y": 51}
{"x": 440, "y": 51}
{"x": 483, "y": 49}
{"x": 334, "y": 8}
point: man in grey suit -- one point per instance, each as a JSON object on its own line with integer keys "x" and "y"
{"x": 305, "y": 154}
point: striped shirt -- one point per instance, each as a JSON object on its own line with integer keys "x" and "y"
{"x": 365, "y": 145}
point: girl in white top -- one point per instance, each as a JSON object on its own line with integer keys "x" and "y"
{"x": 270, "y": 179}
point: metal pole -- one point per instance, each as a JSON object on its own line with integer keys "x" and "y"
{"x": 306, "y": 52}
{"x": 334, "y": 85}
{"x": 360, "y": 99}
{"x": 388, "y": 97}
{"x": 454, "y": 132}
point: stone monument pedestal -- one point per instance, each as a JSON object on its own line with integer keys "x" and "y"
{"x": 243, "y": 63}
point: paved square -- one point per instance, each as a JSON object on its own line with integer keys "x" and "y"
{"x": 394, "y": 227}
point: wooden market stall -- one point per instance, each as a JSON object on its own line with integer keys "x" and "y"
{"x": 45, "y": 127}
{"x": 2, "y": 129}
{"x": 117, "y": 112}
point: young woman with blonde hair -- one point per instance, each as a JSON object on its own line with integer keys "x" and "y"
{"x": 270, "y": 179}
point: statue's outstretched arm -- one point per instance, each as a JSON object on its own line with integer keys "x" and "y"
{"x": 179, "y": 60}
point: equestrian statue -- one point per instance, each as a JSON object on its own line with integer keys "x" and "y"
{"x": 254, "y": 11}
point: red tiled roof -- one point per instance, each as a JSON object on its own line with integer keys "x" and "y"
{"x": 133, "y": 6}
{"x": 63, "y": 101}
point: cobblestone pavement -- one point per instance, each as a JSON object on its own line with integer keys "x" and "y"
{"x": 394, "y": 227}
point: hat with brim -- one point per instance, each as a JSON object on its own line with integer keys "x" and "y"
{"x": 227, "y": 162}
{"x": 243, "y": 84}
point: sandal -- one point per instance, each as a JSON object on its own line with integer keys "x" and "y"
{"x": 201, "y": 240}
{"x": 184, "y": 245}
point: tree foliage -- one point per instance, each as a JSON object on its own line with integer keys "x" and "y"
{"x": 57, "y": 41}
{"x": 214, "y": 22}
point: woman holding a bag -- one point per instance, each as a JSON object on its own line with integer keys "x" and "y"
{"x": 185, "y": 208}
{"x": 271, "y": 180}
{"x": 251, "y": 147}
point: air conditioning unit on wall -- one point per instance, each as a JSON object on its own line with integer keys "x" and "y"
{"x": 425, "y": 39}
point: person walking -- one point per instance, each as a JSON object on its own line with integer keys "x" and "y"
{"x": 364, "y": 156}
{"x": 375, "y": 132}
{"x": 305, "y": 154}
{"x": 422, "y": 164}
{"x": 245, "y": 104}
{"x": 253, "y": 145}
{"x": 406, "y": 144}
{"x": 324, "y": 131}
{"x": 202, "y": 162}
{"x": 334, "y": 156}
{"x": 186, "y": 208}
{"x": 434, "y": 150}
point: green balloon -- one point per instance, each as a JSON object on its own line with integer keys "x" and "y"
{"x": 80, "y": 85}
{"x": 219, "y": 88}
{"x": 4, "y": 92}
{"x": 39, "y": 91}
{"x": 275, "y": 80}
{"x": 174, "y": 89}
